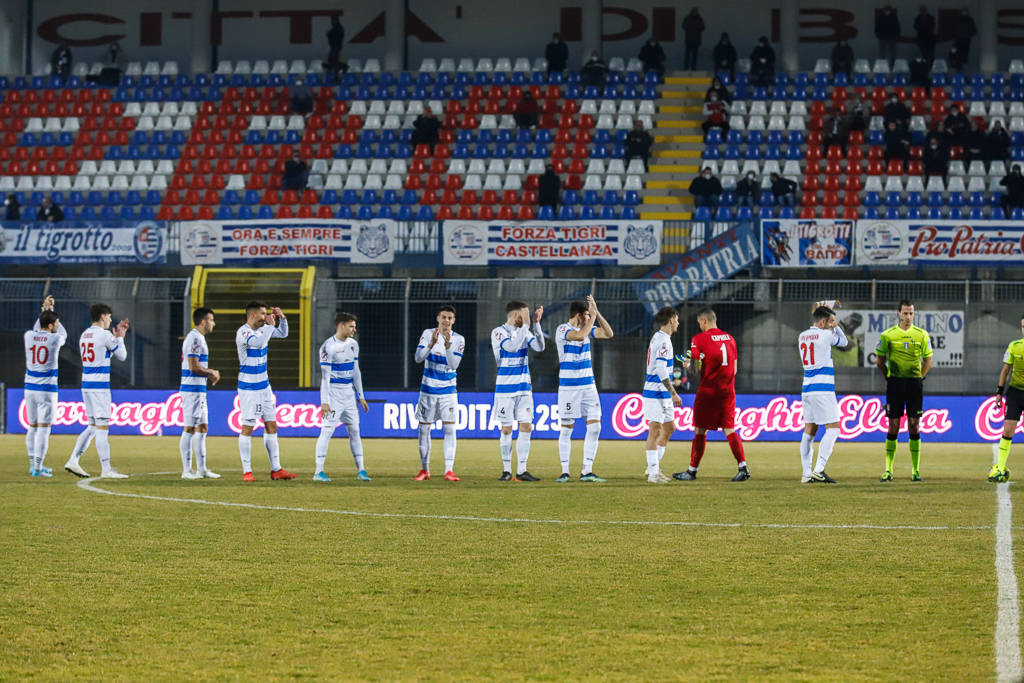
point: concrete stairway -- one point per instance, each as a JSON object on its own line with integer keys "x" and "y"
{"x": 678, "y": 145}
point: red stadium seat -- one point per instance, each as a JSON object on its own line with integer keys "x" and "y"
{"x": 325, "y": 212}
{"x": 469, "y": 198}
{"x": 895, "y": 167}
{"x": 851, "y": 198}
{"x": 811, "y": 183}
{"x": 831, "y": 198}
{"x": 413, "y": 182}
{"x": 486, "y": 213}
{"x": 489, "y": 197}
{"x": 809, "y": 199}
{"x": 832, "y": 183}
{"x": 445, "y": 213}
{"x": 509, "y": 198}
{"x": 284, "y": 211}
{"x": 808, "y": 212}
{"x": 453, "y": 182}
{"x": 852, "y": 185}
{"x": 525, "y": 213}
{"x": 185, "y": 213}
{"x": 506, "y": 213}
{"x": 205, "y": 213}
{"x": 829, "y": 212}
{"x": 850, "y": 213}
{"x": 833, "y": 167}
{"x": 434, "y": 182}
{"x": 211, "y": 198}
{"x": 465, "y": 213}
{"x": 875, "y": 167}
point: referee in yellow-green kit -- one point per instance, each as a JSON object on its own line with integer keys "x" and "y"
{"x": 904, "y": 356}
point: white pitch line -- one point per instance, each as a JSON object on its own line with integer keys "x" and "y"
{"x": 1007, "y": 639}
{"x": 87, "y": 485}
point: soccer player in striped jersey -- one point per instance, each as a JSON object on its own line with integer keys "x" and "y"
{"x": 1012, "y": 371}
{"x": 42, "y": 348}
{"x": 440, "y": 350}
{"x": 577, "y": 391}
{"x": 97, "y": 344}
{"x": 513, "y": 392}
{"x": 818, "y": 395}
{"x": 341, "y": 384}
{"x": 255, "y": 397}
{"x": 195, "y": 370}
{"x": 659, "y": 395}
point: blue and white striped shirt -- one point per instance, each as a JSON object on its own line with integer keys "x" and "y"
{"x": 41, "y": 351}
{"x": 439, "y": 363}
{"x": 194, "y": 347}
{"x": 815, "y": 348}
{"x": 574, "y": 363}
{"x": 97, "y": 345}
{"x": 252, "y": 354}
{"x": 339, "y": 370}
{"x": 659, "y": 366}
{"x": 511, "y": 346}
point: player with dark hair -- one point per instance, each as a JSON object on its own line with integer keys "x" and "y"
{"x": 440, "y": 350}
{"x": 714, "y": 406}
{"x": 659, "y": 395}
{"x": 42, "y": 348}
{"x": 341, "y": 385}
{"x": 195, "y": 370}
{"x": 904, "y": 357}
{"x": 1012, "y": 371}
{"x": 818, "y": 392}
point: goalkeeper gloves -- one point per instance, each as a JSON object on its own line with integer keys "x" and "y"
{"x": 684, "y": 357}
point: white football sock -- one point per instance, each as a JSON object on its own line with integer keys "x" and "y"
{"x": 30, "y": 447}
{"x": 424, "y": 441}
{"x": 355, "y": 442}
{"x": 199, "y": 450}
{"x": 245, "y": 451}
{"x": 661, "y": 453}
{"x": 103, "y": 448}
{"x": 590, "y": 447}
{"x": 449, "y": 448}
{"x": 652, "y": 462}
{"x": 42, "y": 445}
{"x": 522, "y": 450}
{"x": 185, "y": 448}
{"x": 273, "y": 452}
{"x": 506, "y": 451}
{"x": 322, "y": 443}
{"x": 825, "y": 448}
{"x": 806, "y": 453}
{"x": 82, "y": 444}
{"x": 565, "y": 447}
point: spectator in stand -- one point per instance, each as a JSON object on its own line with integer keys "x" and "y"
{"x": 956, "y": 124}
{"x": 896, "y": 112}
{"x": 920, "y": 72}
{"x": 836, "y": 130}
{"x": 527, "y": 111}
{"x": 956, "y": 59}
{"x": 1013, "y": 198}
{"x": 557, "y": 54}
{"x": 762, "y": 63}
{"x": 693, "y": 30}
{"x": 301, "y": 98}
{"x": 548, "y": 186}
{"x": 924, "y": 27}
{"x": 724, "y": 56}
{"x": 897, "y": 142}
{"x": 51, "y": 213}
{"x": 12, "y": 209}
{"x": 858, "y": 116}
{"x": 653, "y": 57}
{"x": 887, "y": 30}
{"x": 706, "y": 189}
{"x": 964, "y": 29}
{"x": 595, "y": 71}
{"x": 748, "y": 191}
{"x": 426, "y": 129}
{"x": 939, "y": 133}
{"x": 718, "y": 88}
{"x": 60, "y": 61}
{"x": 638, "y": 143}
{"x": 784, "y": 190}
{"x": 115, "y": 56}
{"x": 974, "y": 144}
{"x": 295, "y": 173}
{"x": 935, "y": 158}
{"x": 997, "y": 143}
{"x": 717, "y": 115}
{"x": 335, "y": 40}
{"x": 842, "y": 59}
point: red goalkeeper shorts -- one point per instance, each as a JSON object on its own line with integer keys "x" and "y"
{"x": 714, "y": 411}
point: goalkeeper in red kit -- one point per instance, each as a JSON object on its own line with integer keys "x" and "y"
{"x": 714, "y": 406}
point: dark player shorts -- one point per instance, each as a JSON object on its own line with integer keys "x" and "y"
{"x": 1014, "y": 404}
{"x": 714, "y": 411}
{"x": 904, "y": 394}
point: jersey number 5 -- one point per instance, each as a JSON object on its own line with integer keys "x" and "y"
{"x": 807, "y": 353}
{"x": 40, "y": 354}
{"x": 88, "y": 353}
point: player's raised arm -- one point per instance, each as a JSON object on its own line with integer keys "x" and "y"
{"x": 537, "y": 340}
{"x": 604, "y": 330}
{"x": 281, "y": 329}
{"x": 115, "y": 343}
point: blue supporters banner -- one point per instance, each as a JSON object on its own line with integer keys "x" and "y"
{"x": 611, "y": 242}
{"x": 214, "y": 243}
{"x": 821, "y": 242}
{"x": 686, "y": 277}
{"x": 83, "y": 242}
{"x": 768, "y": 417}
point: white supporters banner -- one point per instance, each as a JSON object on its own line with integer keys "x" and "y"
{"x": 486, "y": 243}
{"x": 818, "y": 242}
{"x": 949, "y": 242}
{"x": 864, "y": 327}
{"x": 210, "y": 243}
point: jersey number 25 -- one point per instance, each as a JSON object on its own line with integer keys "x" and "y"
{"x": 88, "y": 353}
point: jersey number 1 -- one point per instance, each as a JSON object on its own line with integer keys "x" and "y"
{"x": 40, "y": 355}
{"x": 725, "y": 356}
{"x": 88, "y": 354}
{"x": 807, "y": 351}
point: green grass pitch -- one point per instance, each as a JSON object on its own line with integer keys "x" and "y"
{"x": 709, "y": 580}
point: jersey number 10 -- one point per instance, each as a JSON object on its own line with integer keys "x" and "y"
{"x": 40, "y": 355}
{"x": 807, "y": 351}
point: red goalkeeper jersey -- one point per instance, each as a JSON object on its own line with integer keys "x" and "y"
{"x": 716, "y": 351}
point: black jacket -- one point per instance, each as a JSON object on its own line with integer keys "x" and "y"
{"x": 52, "y": 213}
{"x": 652, "y": 55}
{"x": 936, "y": 159}
{"x": 762, "y": 52}
{"x": 924, "y": 27}
{"x": 748, "y": 188}
{"x": 887, "y": 26}
{"x": 842, "y": 57}
{"x": 13, "y": 212}
{"x": 896, "y": 112}
{"x": 997, "y": 144}
{"x": 693, "y": 27}
{"x": 964, "y": 29}
{"x": 723, "y": 94}
{"x": 547, "y": 189}
{"x": 705, "y": 187}
{"x": 724, "y": 53}
{"x": 426, "y": 129}
{"x": 897, "y": 143}
{"x": 919, "y": 70}
{"x": 1014, "y": 184}
{"x": 639, "y": 142}
{"x": 557, "y": 54}
{"x": 336, "y": 37}
{"x": 293, "y": 170}
{"x": 783, "y": 186}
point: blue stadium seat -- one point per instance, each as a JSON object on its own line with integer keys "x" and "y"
{"x": 384, "y": 211}
{"x": 566, "y": 213}
{"x": 608, "y": 213}
{"x": 956, "y": 213}
{"x": 349, "y": 197}
{"x": 744, "y": 213}
{"x": 251, "y": 197}
{"x": 265, "y": 212}
{"x": 724, "y": 213}
{"x": 571, "y": 198}
{"x": 893, "y": 214}
{"x": 702, "y": 213}
{"x": 343, "y": 211}
{"x": 365, "y": 213}
{"x": 107, "y": 213}
{"x": 630, "y": 213}
{"x": 146, "y": 214}
{"x": 893, "y": 199}
{"x": 914, "y": 199}
{"x": 127, "y": 213}
{"x": 976, "y": 214}
{"x": 132, "y": 198}
{"x": 766, "y": 212}
{"x": 871, "y": 212}
{"x": 914, "y": 213}
{"x": 610, "y": 198}
{"x": 787, "y": 212}
{"x": 230, "y": 198}
{"x": 408, "y": 198}
{"x": 245, "y": 212}
{"x": 632, "y": 198}
{"x": 224, "y": 213}
{"x": 590, "y": 198}
{"x": 545, "y": 213}
{"x": 405, "y": 213}
{"x": 934, "y": 213}
{"x": 587, "y": 213}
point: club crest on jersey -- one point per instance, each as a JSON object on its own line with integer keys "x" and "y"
{"x": 906, "y": 345}
{"x": 373, "y": 240}
{"x": 640, "y": 241}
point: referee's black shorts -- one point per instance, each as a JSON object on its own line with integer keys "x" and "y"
{"x": 904, "y": 394}
{"x": 1014, "y": 403}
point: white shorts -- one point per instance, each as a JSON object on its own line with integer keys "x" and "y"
{"x": 576, "y": 403}
{"x": 257, "y": 405}
{"x": 820, "y": 408}
{"x": 344, "y": 410}
{"x": 509, "y": 410}
{"x": 41, "y": 407}
{"x": 433, "y": 407}
{"x": 659, "y": 410}
{"x": 194, "y": 408}
{"x": 97, "y": 406}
